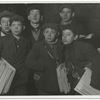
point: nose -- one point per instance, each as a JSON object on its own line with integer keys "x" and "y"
{"x": 65, "y": 14}
{"x": 16, "y": 27}
{"x": 7, "y": 24}
{"x": 64, "y": 38}
{"x": 35, "y": 15}
{"x": 49, "y": 34}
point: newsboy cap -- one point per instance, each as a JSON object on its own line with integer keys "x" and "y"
{"x": 70, "y": 6}
{"x": 35, "y": 7}
{"x": 6, "y": 13}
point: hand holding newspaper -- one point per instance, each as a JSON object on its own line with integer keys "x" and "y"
{"x": 7, "y": 73}
{"x": 83, "y": 87}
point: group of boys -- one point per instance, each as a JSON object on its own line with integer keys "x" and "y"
{"x": 34, "y": 50}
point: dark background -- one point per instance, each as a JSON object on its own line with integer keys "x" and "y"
{"x": 87, "y": 14}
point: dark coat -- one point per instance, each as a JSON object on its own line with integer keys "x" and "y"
{"x": 80, "y": 54}
{"x": 15, "y": 56}
{"x": 75, "y": 24}
{"x": 40, "y": 61}
{"x": 29, "y": 36}
{"x": 9, "y": 51}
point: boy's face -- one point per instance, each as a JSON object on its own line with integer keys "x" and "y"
{"x": 16, "y": 28}
{"x": 5, "y": 24}
{"x": 66, "y": 14}
{"x": 34, "y": 16}
{"x": 67, "y": 36}
{"x": 49, "y": 34}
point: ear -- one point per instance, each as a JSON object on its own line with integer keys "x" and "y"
{"x": 23, "y": 27}
{"x": 75, "y": 37}
{"x": 41, "y": 18}
{"x": 73, "y": 14}
{"x": 60, "y": 14}
{"x": 28, "y": 17}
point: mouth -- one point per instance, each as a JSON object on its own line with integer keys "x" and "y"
{"x": 64, "y": 41}
{"x": 35, "y": 18}
{"x": 7, "y": 28}
{"x": 49, "y": 38}
{"x": 65, "y": 18}
{"x": 16, "y": 31}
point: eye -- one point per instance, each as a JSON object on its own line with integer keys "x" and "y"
{"x": 46, "y": 31}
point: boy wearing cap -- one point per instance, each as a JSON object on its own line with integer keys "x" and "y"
{"x": 5, "y": 22}
{"x": 35, "y": 23}
{"x": 78, "y": 55}
{"x": 14, "y": 49}
{"x": 67, "y": 14}
{"x": 44, "y": 58}
{"x": 34, "y": 34}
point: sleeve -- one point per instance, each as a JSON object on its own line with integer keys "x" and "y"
{"x": 34, "y": 60}
{"x": 1, "y": 46}
{"x": 93, "y": 56}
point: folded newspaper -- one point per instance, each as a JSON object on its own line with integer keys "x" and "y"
{"x": 83, "y": 87}
{"x": 63, "y": 83}
{"x": 7, "y": 73}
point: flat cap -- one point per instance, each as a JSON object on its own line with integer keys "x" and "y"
{"x": 35, "y": 7}
{"x": 6, "y": 13}
{"x": 70, "y": 6}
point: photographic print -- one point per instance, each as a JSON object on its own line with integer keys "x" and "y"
{"x": 49, "y": 49}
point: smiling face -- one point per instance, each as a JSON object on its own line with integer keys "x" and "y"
{"x": 34, "y": 16}
{"x": 66, "y": 14}
{"x": 5, "y": 24}
{"x": 49, "y": 34}
{"x": 16, "y": 28}
{"x": 67, "y": 36}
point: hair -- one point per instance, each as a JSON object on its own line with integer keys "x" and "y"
{"x": 17, "y": 18}
{"x": 50, "y": 25}
{"x": 69, "y": 6}
{"x": 71, "y": 28}
{"x": 34, "y": 7}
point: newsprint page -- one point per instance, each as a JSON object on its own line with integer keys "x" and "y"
{"x": 49, "y": 49}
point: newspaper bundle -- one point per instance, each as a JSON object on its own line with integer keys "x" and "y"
{"x": 7, "y": 73}
{"x": 63, "y": 83}
{"x": 83, "y": 87}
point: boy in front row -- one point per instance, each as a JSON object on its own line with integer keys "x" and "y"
{"x": 44, "y": 58}
{"x": 78, "y": 55}
{"x": 14, "y": 49}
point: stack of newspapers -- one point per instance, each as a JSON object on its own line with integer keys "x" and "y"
{"x": 83, "y": 87}
{"x": 63, "y": 83}
{"x": 7, "y": 73}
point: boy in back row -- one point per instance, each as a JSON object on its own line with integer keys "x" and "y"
{"x": 5, "y": 16}
{"x": 14, "y": 49}
{"x": 33, "y": 34}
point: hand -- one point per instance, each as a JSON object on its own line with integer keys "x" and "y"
{"x": 89, "y": 65}
{"x": 89, "y": 36}
{"x": 76, "y": 75}
{"x": 62, "y": 65}
{"x": 36, "y": 77}
{"x": 98, "y": 49}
